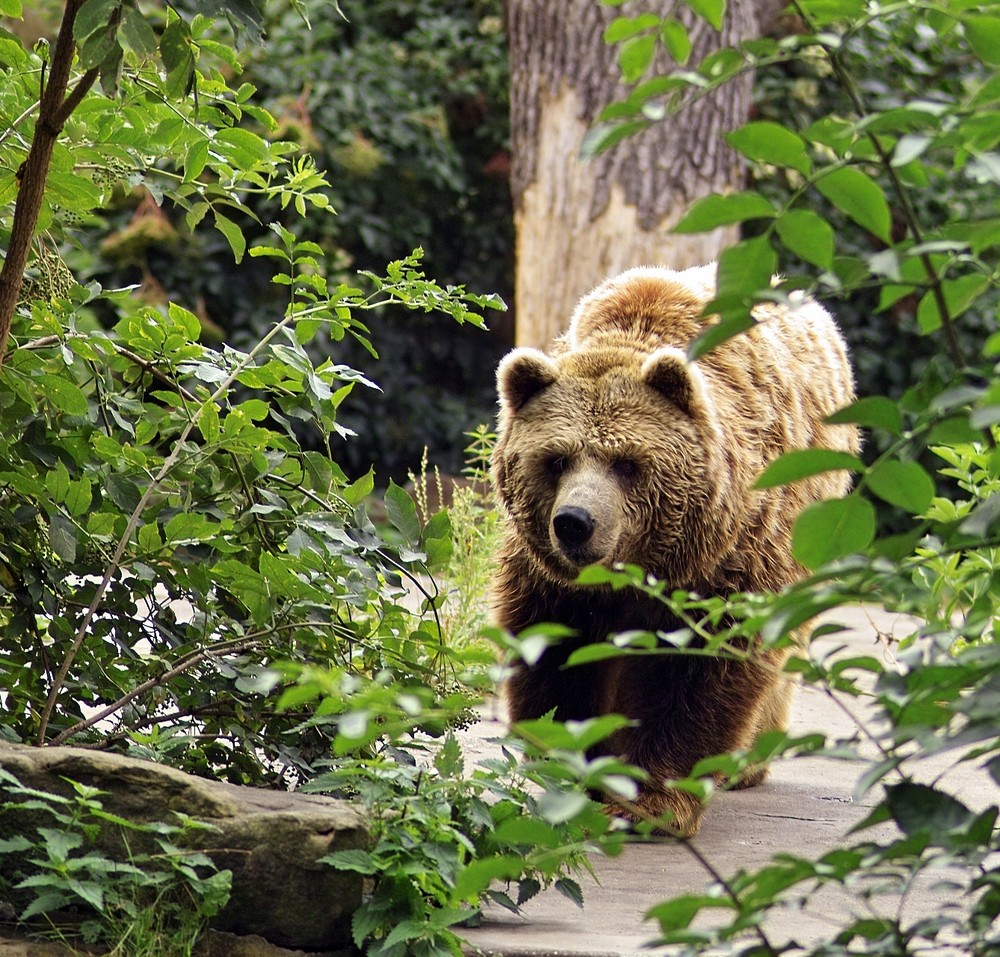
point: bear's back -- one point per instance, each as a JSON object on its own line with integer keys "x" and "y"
{"x": 772, "y": 386}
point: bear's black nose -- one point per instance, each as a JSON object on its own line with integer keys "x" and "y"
{"x": 573, "y": 525}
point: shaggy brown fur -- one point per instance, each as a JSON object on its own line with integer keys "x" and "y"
{"x": 613, "y": 448}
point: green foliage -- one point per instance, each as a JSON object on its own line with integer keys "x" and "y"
{"x": 152, "y": 905}
{"x": 434, "y": 865}
{"x": 467, "y": 556}
{"x": 883, "y": 191}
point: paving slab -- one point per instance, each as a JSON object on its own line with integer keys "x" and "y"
{"x": 806, "y": 808}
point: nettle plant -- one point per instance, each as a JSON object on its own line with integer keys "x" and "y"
{"x": 881, "y": 163}
{"x": 155, "y": 904}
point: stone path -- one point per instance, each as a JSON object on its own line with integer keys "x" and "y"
{"x": 805, "y": 808}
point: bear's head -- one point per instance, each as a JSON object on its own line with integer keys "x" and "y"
{"x": 611, "y": 455}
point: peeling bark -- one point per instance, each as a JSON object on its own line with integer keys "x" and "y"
{"x": 578, "y": 222}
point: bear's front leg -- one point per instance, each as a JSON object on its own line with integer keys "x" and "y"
{"x": 548, "y": 685}
{"x": 688, "y": 708}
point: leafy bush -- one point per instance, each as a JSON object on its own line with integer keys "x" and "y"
{"x": 187, "y": 572}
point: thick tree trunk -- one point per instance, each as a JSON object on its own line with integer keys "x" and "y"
{"x": 578, "y": 222}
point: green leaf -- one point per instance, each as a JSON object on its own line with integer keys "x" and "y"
{"x": 831, "y": 529}
{"x": 44, "y": 902}
{"x": 233, "y": 233}
{"x": 402, "y": 513}
{"x": 823, "y": 12}
{"x": 366, "y": 920}
{"x": 62, "y": 394}
{"x": 187, "y": 527}
{"x": 720, "y": 332}
{"x": 803, "y": 463}
{"x": 437, "y": 540}
{"x": 475, "y": 877}
{"x": 605, "y": 135}
{"x": 11, "y": 55}
{"x": 359, "y": 488}
{"x": 571, "y": 890}
{"x": 178, "y": 58}
{"x": 873, "y": 412}
{"x": 906, "y": 484}
{"x": 910, "y": 147}
{"x": 136, "y": 33}
{"x": 675, "y": 38}
{"x": 123, "y": 492}
{"x": 208, "y": 423}
{"x": 808, "y": 235}
{"x": 621, "y": 28}
{"x": 243, "y": 148}
{"x": 919, "y": 807}
{"x": 402, "y": 932}
{"x": 194, "y": 164}
{"x": 746, "y": 269}
{"x": 73, "y": 191}
{"x": 94, "y": 15}
{"x": 79, "y": 496}
{"x": 598, "y": 651}
{"x": 100, "y": 46}
{"x": 18, "y": 842}
{"x": 186, "y": 319}
{"x": 558, "y": 807}
{"x": 958, "y": 293}
{"x": 767, "y": 142}
{"x": 57, "y": 482}
{"x": 678, "y": 913}
{"x": 526, "y": 832}
{"x": 351, "y": 860}
{"x": 448, "y": 761}
{"x": 710, "y": 10}
{"x": 62, "y": 537}
{"x": 710, "y": 212}
{"x": 860, "y": 197}
{"x": 635, "y": 56}
{"x": 984, "y": 38}
{"x": 11, "y": 8}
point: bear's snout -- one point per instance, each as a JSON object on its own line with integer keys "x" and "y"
{"x": 586, "y": 518}
{"x": 573, "y": 526}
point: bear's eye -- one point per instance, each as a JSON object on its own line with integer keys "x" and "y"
{"x": 625, "y": 469}
{"x": 556, "y": 465}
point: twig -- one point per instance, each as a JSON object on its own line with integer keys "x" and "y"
{"x": 183, "y": 665}
{"x": 232, "y": 646}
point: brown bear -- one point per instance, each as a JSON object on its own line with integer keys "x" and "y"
{"x": 614, "y": 448}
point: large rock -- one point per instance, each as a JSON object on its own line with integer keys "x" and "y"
{"x": 270, "y": 840}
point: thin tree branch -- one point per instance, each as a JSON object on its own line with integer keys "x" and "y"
{"x": 76, "y": 95}
{"x": 34, "y": 172}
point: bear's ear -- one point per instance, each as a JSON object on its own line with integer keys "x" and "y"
{"x": 524, "y": 373}
{"x": 668, "y": 371}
